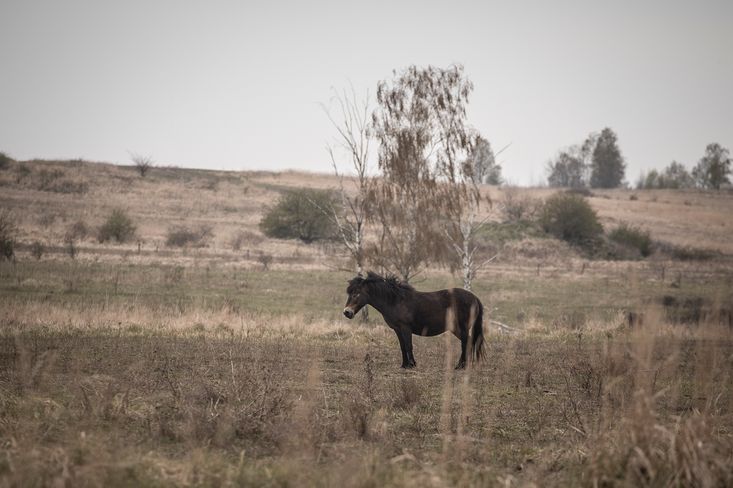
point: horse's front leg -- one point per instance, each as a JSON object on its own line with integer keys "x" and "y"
{"x": 402, "y": 346}
{"x": 407, "y": 337}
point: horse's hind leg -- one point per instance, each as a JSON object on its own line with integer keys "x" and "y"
{"x": 464, "y": 343}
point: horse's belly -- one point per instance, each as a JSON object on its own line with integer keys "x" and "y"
{"x": 428, "y": 331}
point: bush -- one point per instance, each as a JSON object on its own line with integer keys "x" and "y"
{"x": 37, "y": 249}
{"x": 632, "y": 237}
{"x": 5, "y": 160}
{"x": 300, "y": 214}
{"x": 77, "y": 230}
{"x": 8, "y": 232}
{"x": 519, "y": 207}
{"x": 143, "y": 164}
{"x": 118, "y": 227}
{"x": 686, "y": 253}
{"x": 569, "y": 217}
{"x": 22, "y": 172}
{"x": 245, "y": 237}
{"x": 184, "y": 236}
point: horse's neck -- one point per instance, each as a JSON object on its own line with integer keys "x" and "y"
{"x": 385, "y": 306}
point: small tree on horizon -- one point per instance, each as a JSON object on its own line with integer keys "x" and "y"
{"x": 143, "y": 164}
{"x": 571, "y": 167}
{"x": 567, "y": 170}
{"x": 713, "y": 169}
{"x": 607, "y": 166}
{"x": 483, "y": 163}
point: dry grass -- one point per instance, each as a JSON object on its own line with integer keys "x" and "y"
{"x": 217, "y": 398}
{"x": 140, "y": 365}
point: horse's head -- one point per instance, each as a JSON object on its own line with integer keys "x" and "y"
{"x": 357, "y": 297}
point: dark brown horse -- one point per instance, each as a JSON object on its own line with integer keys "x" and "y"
{"x": 408, "y": 312}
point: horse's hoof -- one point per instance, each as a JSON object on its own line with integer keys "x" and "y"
{"x": 461, "y": 366}
{"x": 409, "y": 366}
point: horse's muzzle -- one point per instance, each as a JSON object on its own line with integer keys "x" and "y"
{"x": 349, "y": 313}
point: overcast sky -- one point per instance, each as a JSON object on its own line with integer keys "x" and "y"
{"x": 237, "y": 85}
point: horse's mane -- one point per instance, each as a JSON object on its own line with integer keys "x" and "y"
{"x": 389, "y": 287}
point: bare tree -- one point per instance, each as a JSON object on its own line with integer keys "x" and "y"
{"x": 350, "y": 118}
{"x": 142, "y": 163}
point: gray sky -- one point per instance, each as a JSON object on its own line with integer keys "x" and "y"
{"x": 236, "y": 85}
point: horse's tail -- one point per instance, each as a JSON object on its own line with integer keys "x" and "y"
{"x": 477, "y": 335}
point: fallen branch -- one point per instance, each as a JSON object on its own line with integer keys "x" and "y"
{"x": 503, "y": 327}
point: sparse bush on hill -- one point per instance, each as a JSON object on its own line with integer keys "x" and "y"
{"x": 518, "y": 207}
{"x": 569, "y": 217}
{"x": 8, "y": 233}
{"x": 118, "y": 227}
{"x": 143, "y": 164}
{"x": 181, "y": 236}
{"x": 633, "y": 237}
{"x": 300, "y": 214}
{"x": 686, "y": 253}
{"x": 5, "y": 160}
{"x": 22, "y": 172}
{"x": 77, "y": 230}
{"x": 70, "y": 246}
{"x": 245, "y": 237}
{"x": 37, "y": 249}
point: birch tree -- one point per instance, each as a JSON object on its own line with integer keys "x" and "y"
{"x": 350, "y": 118}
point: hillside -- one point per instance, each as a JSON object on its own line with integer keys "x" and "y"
{"x": 47, "y": 197}
{"x": 148, "y": 365}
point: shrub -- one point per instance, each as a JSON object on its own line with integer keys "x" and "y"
{"x": 687, "y": 253}
{"x": 143, "y": 164}
{"x": 632, "y": 237}
{"x": 22, "y": 172}
{"x": 70, "y": 246}
{"x": 118, "y": 226}
{"x": 77, "y": 230}
{"x": 245, "y": 237}
{"x": 181, "y": 236}
{"x": 570, "y": 217}
{"x": 5, "y": 160}
{"x": 8, "y": 232}
{"x": 47, "y": 178}
{"x": 300, "y": 214}
{"x": 37, "y": 249}
{"x": 520, "y": 207}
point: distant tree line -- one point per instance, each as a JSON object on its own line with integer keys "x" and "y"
{"x": 711, "y": 172}
{"x": 598, "y": 163}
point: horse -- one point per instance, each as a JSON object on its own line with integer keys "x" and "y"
{"x": 408, "y": 311}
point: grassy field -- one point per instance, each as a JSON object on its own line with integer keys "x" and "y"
{"x": 145, "y": 365}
